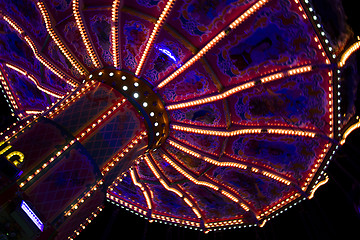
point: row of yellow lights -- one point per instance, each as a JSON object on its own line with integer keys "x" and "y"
{"x": 320, "y": 47}
{"x": 326, "y": 148}
{"x": 142, "y": 188}
{"x": 206, "y": 159}
{"x": 115, "y": 33}
{"x": 240, "y": 88}
{"x": 316, "y": 166}
{"x": 88, "y": 220}
{"x": 316, "y": 187}
{"x": 47, "y": 64}
{"x": 344, "y": 57}
{"x": 126, "y": 204}
{"x": 171, "y": 189}
{"x": 13, "y": 24}
{"x": 281, "y": 203}
{"x": 243, "y": 131}
{"x": 21, "y": 128}
{"x": 301, "y": 9}
{"x": 34, "y": 80}
{"x": 83, "y": 33}
{"x": 57, "y": 40}
{"x": 175, "y": 220}
{"x": 213, "y": 42}
{"x": 153, "y": 35}
{"x": 331, "y": 107}
{"x": 53, "y": 113}
{"x": 203, "y": 183}
{"x": 227, "y": 164}
{"x": 348, "y": 131}
{"x": 320, "y": 29}
{"x": 56, "y": 155}
{"x": 224, "y": 223}
{"x": 81, "y": 200}
{"x": 275, "y": 177}
{"x": 99, "y": 120}
{"x": 122, "y": 152}
{"x": 51, "y": 67}
{"x": 8, "y": 92}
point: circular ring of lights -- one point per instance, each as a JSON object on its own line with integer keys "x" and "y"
{"x": 142, "y": 97}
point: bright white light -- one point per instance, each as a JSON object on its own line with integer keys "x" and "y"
{"x": 123, "y": 78}
{"x": 136, "y": 95}
{"x": 152, "y": 114}
{"x": 125, "y": 88}
{"x": 136, "y": 84}
{"x": 111, "y": 74}
{"x": 145, "y": 104}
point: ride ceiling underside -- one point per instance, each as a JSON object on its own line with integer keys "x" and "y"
{"x": 246, "y": 111}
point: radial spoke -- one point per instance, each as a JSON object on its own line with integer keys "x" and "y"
{"x": 144, "y": 190}
{"x": 35, "y": 81}
{"x": 165, "y": 183}
{"x": 241, "y": 87}
{"x": 57, "y": 40}
{"x": 84, "y": 35}
{"x": 208, "y": 184}
{"x": 115, "y": 32}
{"x": 214, "y": 41}
{"x": 244, "y": 131}
{"x": 154, "y": 34}
{"x": 235, "y": 163}
{"x": 37, "y": 54}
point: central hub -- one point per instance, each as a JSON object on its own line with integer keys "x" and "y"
{"x": 139, "y": 93}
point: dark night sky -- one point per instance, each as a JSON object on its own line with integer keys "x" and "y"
{"x": 331, "y": 214}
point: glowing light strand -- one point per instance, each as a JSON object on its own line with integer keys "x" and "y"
{"x": 57, "y": 40}
{"x": 171, "y": 189}
{"x": 46, "y": 164}
{"x": 153, "y": 35}
{"x": 87, "y": 221}
{"x": 125, "y": 204}
{"x": 108, "y": 113}
{"x": 115, "y": 33}
{"x": 242, "y": 87}
{"x": 205, "y": 158}
{"x": 123, "y": 152}
{"x": 213, "y": 42}
{"x": 83, "y": 34}
{"x": 52, "y": 113}
{"x": 50, "y": 66}
{"x": 227, "y": 163}
{"x": 82, "y": 199}
{"x": 38, "y": 56}
{"x": 229, "y": 133}
{"x": 203, "y": 183}
{"x": 8, "y": 92}
{"x": 317, "y": 186}
{"x": 345, "y": 56}
{"x": 348, "y": 131}
{"x": 142, "y": 188}
{"x": 35, "y": 81}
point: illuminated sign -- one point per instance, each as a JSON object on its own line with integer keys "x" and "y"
{"x": 14, "y": 157}
{"x": 32, "y": 215}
